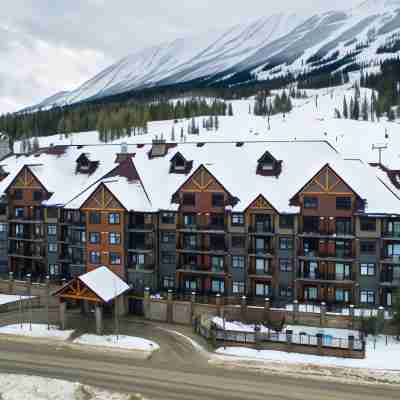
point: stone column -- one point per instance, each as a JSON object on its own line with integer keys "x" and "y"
{"x": 170, "y": 305}
{"x": 146, "y": 303}
{"x": 267, "y": 306}
{"x": 99, "y": 319}
{"x": 11, "y": 283}
{"x": 243, "y": 307}
{"x": 218, "y": 303}
{"x": 381, "y": 319}
{"x": 352, "y": 316}
{"x": 48, "y": 300}
{"x": 63, "y": 314}
{"x": 322, "y": 318}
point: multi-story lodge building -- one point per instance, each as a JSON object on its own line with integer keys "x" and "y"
{"x": 284, "y": 220}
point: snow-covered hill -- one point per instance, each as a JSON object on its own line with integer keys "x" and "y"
{"x": 266, "y": 48}
{"x": 312, "y": 118}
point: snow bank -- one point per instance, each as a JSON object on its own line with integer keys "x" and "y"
{"x": 121, "y": 342}
{"x": 35, "y": 331}
{"x": 8, "y": 298}
{"x": 18, "y": 387}
{"x": 379, "y": 356}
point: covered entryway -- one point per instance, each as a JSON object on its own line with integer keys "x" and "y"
{"x": 99, "y": 288}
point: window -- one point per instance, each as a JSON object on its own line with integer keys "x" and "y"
{"x": 310, "y": 202}
{"x": 393, "y": 250}
{"x": 168, "y": 237}
{"x": 168, "y": 282}
{"x": 18, "y": 194}
{"x": 237, "y": 219}
{"x": 19, "y": 230}
{"x": 239, "y": 242}
{"x": 238, "y": 287}
{"x": 19, "y": 212}
{"x": 344, "y": 226}
{"x": 343, "y": 203}
{"x": 262, "y": 266}
{"x": 368, "y": 224}
{"x": 115, "y": 259}
{"x": 217, "y": 264}
{"x": 37, "y": 196}
{"x": 190, "y": 285}
{"x": 367, "y": 269}
{"x": 285, "y": 265}
{"x": 217, "y": 200}
{"x": 168, "y": 258}
{"x": 310, "y": 293}
{"x": 286, "y": 221}
{"x": 3, "y": 227}
{"x": 52, "y": 229}
{"x": 94, "y": 257}
{"x": 286, "y": 292}
{"x": 168, "y": 218}
{"x": 54, "y": 269}
{"x": 189, "y": 199}
{"x": 95, "y": 218}
{"x": 367, "y": 247}
{"x": 393, "y": 228}
{"x": 262, "y": 289}
{"x": 342, "y": 295}
{"x": 189, "y": 219}
{"x": 217, "y": 286}
{"x": 217, "y": 221}
{"x": 137, "y": 259}
{"x": 114, "y": 238}
{"x": 52, "y": 247}
{"x": 238, "y": 262}
{"x": 285, "y": 243}
{"x": 367, "y": 297}
{"x": 94, "y": 237}
{"x": 342, "y": 272}
{"x": 114, "y": 218}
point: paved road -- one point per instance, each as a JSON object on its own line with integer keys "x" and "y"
{"x": 176, "y": 372}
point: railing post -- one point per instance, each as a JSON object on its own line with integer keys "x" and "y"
{"x": 295, "y": 310}
{"x": 267, "y": 306}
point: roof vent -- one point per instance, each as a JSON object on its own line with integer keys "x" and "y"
{"x": 124, "y": 148}
{"x": 159, "y": 148}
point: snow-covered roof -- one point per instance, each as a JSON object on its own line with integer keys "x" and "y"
{"x": 150, "y": 186}
{"x": 104, "y": 283}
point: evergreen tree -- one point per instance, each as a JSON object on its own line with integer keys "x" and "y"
{"x": 364, "y": 109}
{"x": 345, "y": 109}
{"x": 230, "y": 109}
{"x": 356, "y": 110}
{"x": 173, "y": 134}
{"x": 35, "y": 144}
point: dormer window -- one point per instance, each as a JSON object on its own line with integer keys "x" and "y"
{"x": 179, "y": 165}
{"x": 84, "y": 165}
{"x": 269, "y": 166}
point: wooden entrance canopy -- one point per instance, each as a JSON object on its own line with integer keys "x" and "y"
{"x": 98, "y": 286}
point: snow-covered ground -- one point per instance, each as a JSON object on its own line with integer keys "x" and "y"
{"x": 8, "y": 298}
{"x": 20, "y": 387}
{"x": 35, "y": 331}
{"x": 120, "y": 342}
{"x": 379, "y": 356}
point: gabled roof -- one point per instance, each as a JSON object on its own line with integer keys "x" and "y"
{"x": 105, "y": 283}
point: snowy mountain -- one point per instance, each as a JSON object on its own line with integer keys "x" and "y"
{"x": 264, "y": 49}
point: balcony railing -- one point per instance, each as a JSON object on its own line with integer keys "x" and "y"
{"x": 141, "y": 227}
{"x": 261, "y": 251}
{"x": 392, "y": 234}
{"x": 261, "y": 228}
{"x": 141, "y": 267}
{"x": 325, "y": 276}
{"x": 392, "y": 278}
{"x": 140, "y": 246}
{"x": 326, "y": 254}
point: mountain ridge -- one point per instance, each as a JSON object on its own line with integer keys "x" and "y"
{"x": 263, "y": 49}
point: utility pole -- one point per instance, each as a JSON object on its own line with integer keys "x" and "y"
{"x": 380, "y": 148}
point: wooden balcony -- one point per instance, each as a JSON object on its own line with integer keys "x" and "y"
{"x": 326, "y": 276}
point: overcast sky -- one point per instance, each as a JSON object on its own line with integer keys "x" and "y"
{"x": 51, "y": 45}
